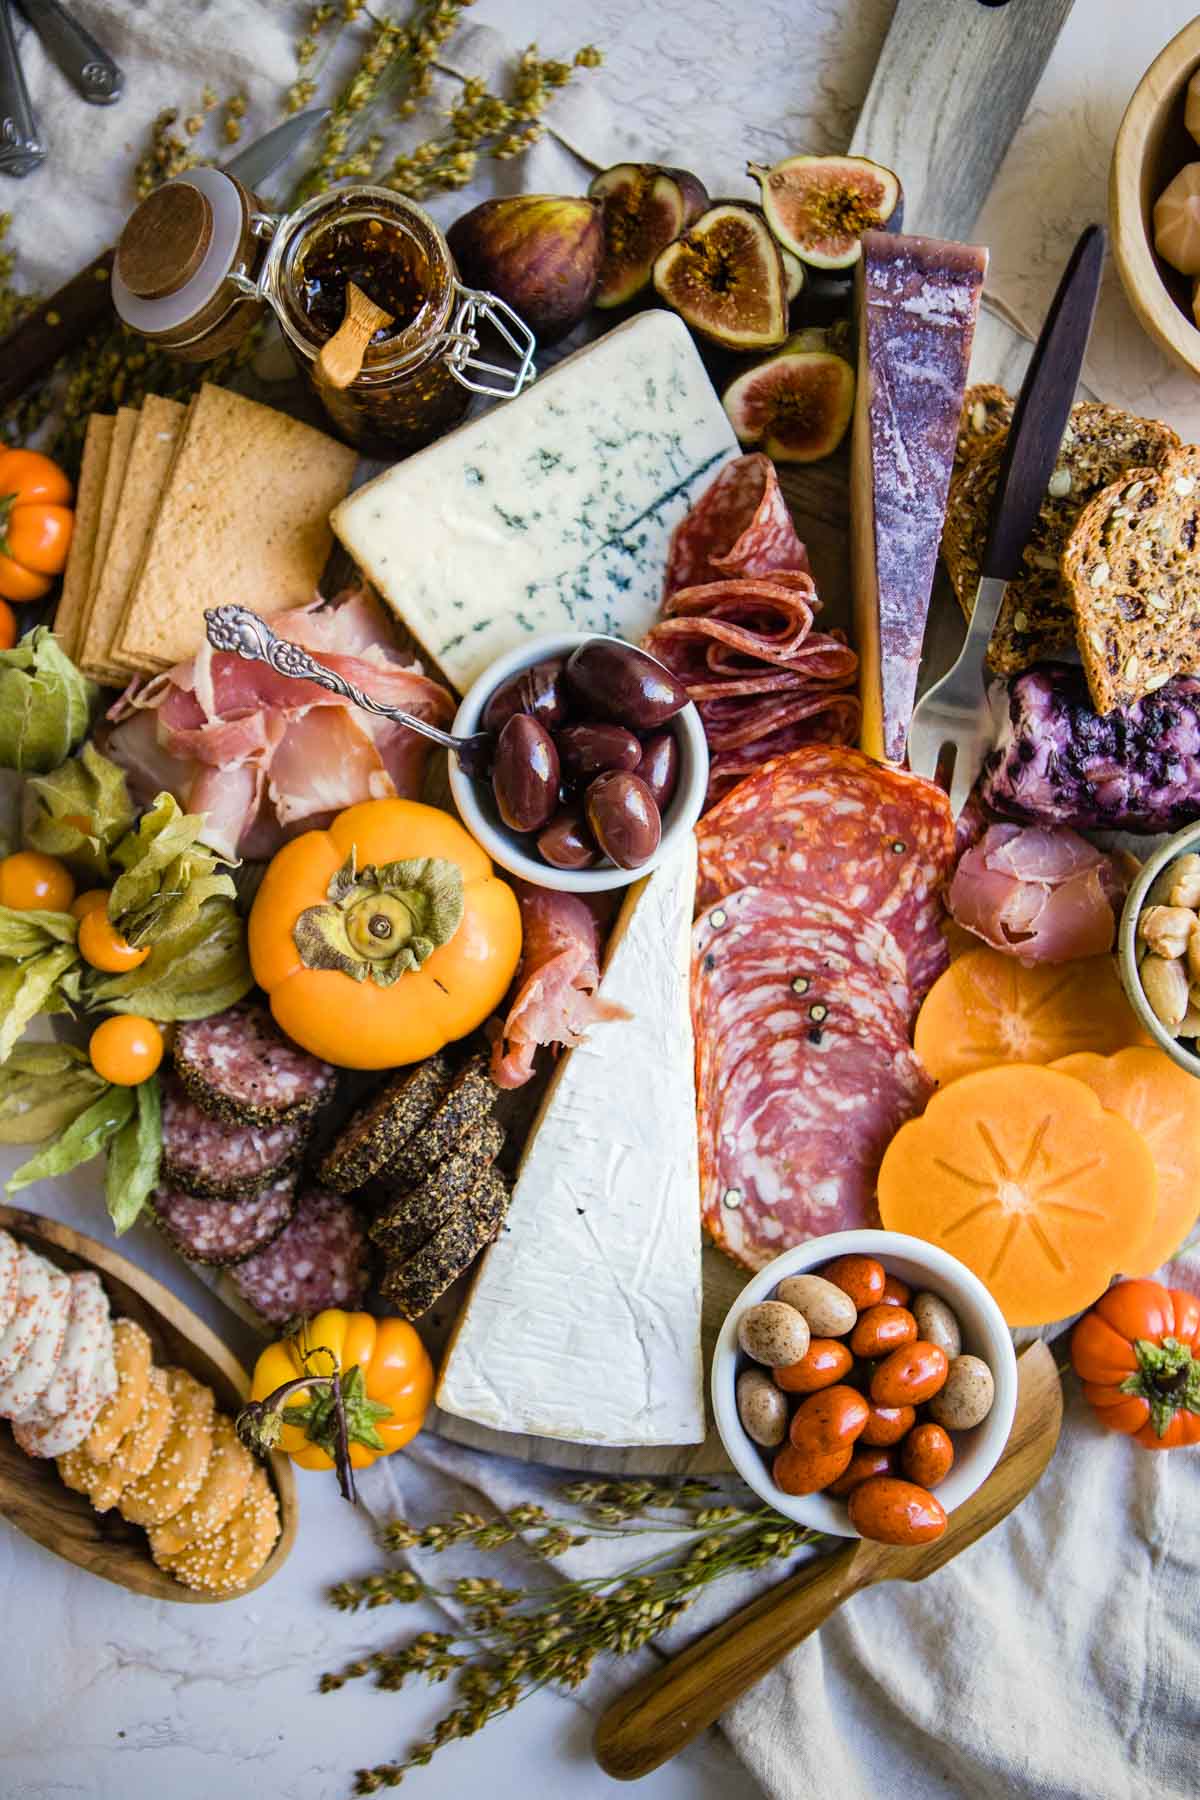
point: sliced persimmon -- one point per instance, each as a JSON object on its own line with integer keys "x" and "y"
{"x": 1023, "y": 1175}
{"x": 988, "y": 1008}
{"x": 1162, "y": 1101}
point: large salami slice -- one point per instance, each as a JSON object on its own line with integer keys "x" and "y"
{"x": 318, "y": 1261}
{"x": 237, "y": 1065}
{"x": 827, "y": 822}
{"x": 221, "y": 1232}
{"x": 218, "y": 1161}
{"x": 740, "y": 526}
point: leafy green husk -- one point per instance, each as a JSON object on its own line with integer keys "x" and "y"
{"x": 87, "y": 786}
{"x": 86, "y": 1136}
{"x": 24, "y": 933}
{"x": 45, "y": 983}
{"x": 189, "y": 975}
{"x": 134, "y": 1156}
{"x": 43, "y": 1089}
{"x": 45, "y": 704}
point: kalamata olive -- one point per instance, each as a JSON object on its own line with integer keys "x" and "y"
{"x": 659, "y": 767}
{"x": 525, "y": 774}
{"x": 566, "y": 842}
{"x": 539, "y": 691}
{"x": 616, "y": 681}
{"x": 623, "y": 818}
{"x": 591, "y": 749}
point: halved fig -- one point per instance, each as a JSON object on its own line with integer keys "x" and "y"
{"x": 819, "y": 206}
{"x": 795, "y": 406}
{"x": 645, "y": 208}
{"x": 1177, "y": 221}
{"x": 724, "y": 277}
{"x": 793, "y": 274}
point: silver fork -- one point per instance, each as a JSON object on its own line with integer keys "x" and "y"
{"x": 951, "y": 728}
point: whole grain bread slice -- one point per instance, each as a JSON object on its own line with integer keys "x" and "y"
{"x": 987, "y": 412}
{"x": 1037, "y": 620}
{"x": 1133, "y": 570}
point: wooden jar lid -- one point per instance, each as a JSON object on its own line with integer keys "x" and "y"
{"x": 165, "y": 241}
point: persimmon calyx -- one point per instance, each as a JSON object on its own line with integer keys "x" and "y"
{"x": 382, "y": 921}
{"x": 1167, "y": 1378}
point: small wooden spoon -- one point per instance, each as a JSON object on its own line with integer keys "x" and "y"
{"x": 342, "y": 355}
{"x": 664, "y": 1712}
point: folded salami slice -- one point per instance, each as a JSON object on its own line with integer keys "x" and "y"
{"x": 221, "y": 1232}
{"x": 218, "y": 1161}
{"x": 237, "y": 1065}
{"x": 763, "y": 618}
{"x": 318, "y": 1261}
{"x": 739, "y": 526}
{"x": 828, "y": 718}
{"x": 827, "y": 822}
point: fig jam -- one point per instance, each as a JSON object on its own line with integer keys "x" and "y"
{"x": 386, "y": 263}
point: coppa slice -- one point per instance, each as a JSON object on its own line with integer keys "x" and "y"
{"x": 830, "y": 823}
{"x": 1162, "y": 1101}
{"x": 988, "y": 1008}
{"x": 1021, "y": 1173}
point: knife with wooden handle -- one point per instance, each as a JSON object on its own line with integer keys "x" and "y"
{"x": 660, "y": 1715}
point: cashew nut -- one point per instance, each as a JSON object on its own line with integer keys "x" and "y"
{"x": 1166, "y": 929}
{"x": 1193, "y": 952}
{"x": 1159, "y": 891}
{"x": 1165, "y": 985}
{"x": 1185, "y": 887}
{"x": 1189, "y": 1025}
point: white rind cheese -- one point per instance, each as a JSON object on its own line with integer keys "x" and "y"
{"x": 584, "y": 1320}
{"x": 551, "y": 513}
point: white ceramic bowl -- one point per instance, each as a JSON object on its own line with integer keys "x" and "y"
{"x": 925, "y": 1268}
{"x": 514, "y": 850}
{"x": 1135, "y": 899}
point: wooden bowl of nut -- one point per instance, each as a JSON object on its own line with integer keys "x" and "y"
{"x": 1158, "y": 947}
{"x": 1154, "y": 199}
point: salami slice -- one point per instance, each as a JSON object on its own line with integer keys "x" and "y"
{"x": 830, "y": 718}
{"x": 739, "y": 526}
{"x": 217, "y": 1161}
{"x": 238, "y": 1066}
{"x": 761, "y": 619}
{"x": 221, "y": 1232}
{"x": 318, "y": 1261}
{"x": 807, "y": 942}
{"x": 827, "y": 822}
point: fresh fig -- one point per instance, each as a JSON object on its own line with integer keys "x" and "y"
{"x": 540, "y": 252}
{"x": 819, "y": 206}
{"x": 645, "y": 209}
{"x": 795, "y": 406}
{"x": 725, "y": 278}
{"x": 793, "y": 274}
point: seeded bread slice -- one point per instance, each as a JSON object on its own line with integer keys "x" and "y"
{"x": 1037, "y": 621}
{"x": 1134, "y": 576}
{"x": 987, "y": 412}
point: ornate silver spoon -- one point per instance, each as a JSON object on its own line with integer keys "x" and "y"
{"x": 242, "y": 633}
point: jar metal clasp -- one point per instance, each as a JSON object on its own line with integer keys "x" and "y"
{"x": 461, "y": 345}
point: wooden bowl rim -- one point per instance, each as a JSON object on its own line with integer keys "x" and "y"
{"x": 1133, "y": 252}
{"x": 51, "y": 1235}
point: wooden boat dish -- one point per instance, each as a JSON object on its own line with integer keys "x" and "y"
{"x": 33, "y": 1498}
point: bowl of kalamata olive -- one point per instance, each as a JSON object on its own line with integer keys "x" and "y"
{"x": 599, "y": 766}
{"x": 864, "y": 1383}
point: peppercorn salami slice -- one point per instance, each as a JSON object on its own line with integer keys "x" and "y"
{"x": 221, "y": 1232}
{"x": 238, "y": 1066}
{"x": 811, "y": 942}
{"x": 791, "y": 1138}
{"x": 318, "y": 1261}
{"x": 378, "y": 1131}
{"x": 408, "y": 1219}
{"x": 414, "y": 1283}
{"x": 217, "y": 1161}
{"x": 827, "y": 822}
{"x": 467, "y": 1103}
{"x": 739, "y": 526}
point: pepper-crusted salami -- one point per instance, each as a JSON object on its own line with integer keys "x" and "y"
{"x": 221, "y": 1232}
{"x": 219, "y": 1161}
{"x": 740, "y": 526}
{"x": 318, "y": 1261}
{"x": 237, "y": 1065}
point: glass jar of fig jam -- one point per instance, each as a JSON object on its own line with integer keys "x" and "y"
{"x": 420, "y": 370}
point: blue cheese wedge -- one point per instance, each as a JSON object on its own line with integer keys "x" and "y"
{"x": 584, "y": 1320}
{"x": 552, "y": 513}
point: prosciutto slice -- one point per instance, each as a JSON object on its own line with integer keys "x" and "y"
{"x": 265, "y": 756}
{"x": 1040, "y": 893}
{"x": 555, "y": 997}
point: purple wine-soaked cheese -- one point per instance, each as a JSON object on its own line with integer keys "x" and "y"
{"x": 918, "y": 299}
{"x": 1058, "y": 762}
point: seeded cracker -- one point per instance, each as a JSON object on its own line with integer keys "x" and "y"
{"x": 410, "y": 1218}
{"x": 121, "y": 443}
{"x": 77, "y": 580}
{"x": 131, "y": 1353}
{"x": 1037, "y": 621}
{"x": 413, "y": 1285}
{"x": 379, "y": 1130}
{"x": 1133, "y": 571}
{"x": 226, "y": 1480}
{"x": 133, "y": 1457}
{"x": 225, "y": 1561}
{"x": 179, "y": 1468}
{"x": 467, "y": 1103}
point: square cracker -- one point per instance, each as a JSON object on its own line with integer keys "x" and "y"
{"x": 244, "y": 517}
{"x": 72, "y": 602}
{"x": 150, "y": 457}
{"x": 124, "y": 428}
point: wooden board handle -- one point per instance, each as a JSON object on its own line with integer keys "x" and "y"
{"x": 663, "y": 1713}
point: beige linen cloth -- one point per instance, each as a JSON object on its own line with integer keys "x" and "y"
{"x": 1057, "y": 1659}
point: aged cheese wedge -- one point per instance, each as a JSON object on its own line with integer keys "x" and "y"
{"x": 917, "y": 303}
{"x": 552, "y": 513}
{"x": 584, "y": 1320}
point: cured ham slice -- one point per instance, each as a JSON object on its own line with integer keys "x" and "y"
{"x": 265, "y": 756}
{"x": 555, "y": 992}
{"x": 1040, "y": 893}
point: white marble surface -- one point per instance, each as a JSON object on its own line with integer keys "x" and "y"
{"x": 108, "y": 1694}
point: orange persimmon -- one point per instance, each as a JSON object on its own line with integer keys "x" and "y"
{"x": 988, "y": 1008}
{"x": 35, "y": 523}
{"x": 1022, "y": 1174}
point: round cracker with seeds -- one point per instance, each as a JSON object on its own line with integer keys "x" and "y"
{"x": 179, "y": 1468}
{"x": 228, "y": 1558}
{"x": 230, "y": 1468}
{"x": 138, "y": 1450}
{"x": 132, "y": 1355}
